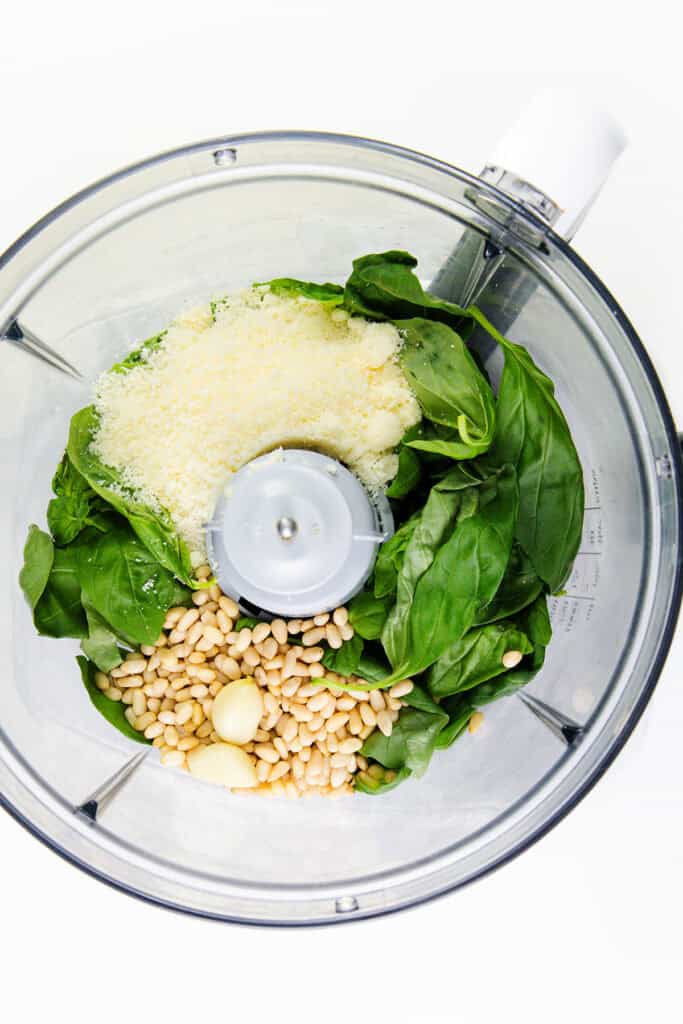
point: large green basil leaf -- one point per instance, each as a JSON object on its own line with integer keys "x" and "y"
{"x": 59, "y": 611}
{"x": 345, "y": 660}
{"x": 532, "y": 435}
{"x": 372, "y": 665}
{"x": 39, "y": 553}
{"x": 67, "y": 513}
{"x": 449, "y": 387}
{"x": 459, "y": 711}
{"x": 390, "y": 558}
{"x": 368, "y": 613}
{"x": 112, "y": 710}
{"x": 412, "y": 738}
{"x": 155, "y": 528}
{"x": 382, "y": 286}
{"x": 408, "y": 474}
{"x": 476, "y": 657}
{"x": 464, "y": 574}
{"x": 519, "y": 587}
{"x": 125, "y": 584}
{"x": 101, "y": 643}
{"x": 431, "y": 529}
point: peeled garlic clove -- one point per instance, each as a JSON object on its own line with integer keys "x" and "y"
{"x": 223, "y": 764}
{"x": 237, "y": 711}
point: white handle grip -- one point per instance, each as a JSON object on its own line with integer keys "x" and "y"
{"x": 565, "y": 148}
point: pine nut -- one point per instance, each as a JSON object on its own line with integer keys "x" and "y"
{"x": 101, "y": 681}
{"x": 188, "y": 743}
{"x": 260, "y": 633}
{"x": 333, "y": 636}
{"x": 401, "y": 689}
{"x": 346, "y": 631}
{"x": 293, "y": 627}
{"x": 368, "y": 714}
{"x": 475, "y": 721}
{"x": 113, "y": 693}
{"x": 142, "y": 721}
{"x": 204, "y": 730}
{"x": 313, "y": 636}
{"x": 171, "y": 736}
{"x": 322, "y": 619}
{"x": 340, "y": 616}
{"x": 199, "y": 597}
{"x": 345, "y": 703}
{"x": 268, "y": 648}
{"x": 188, "y": 619}
{"x": 167, "y": 717}
{"x": 173, "y": 758}
{"x": 153, "y": 730}
{"x": 301, "y": 713}
{"x": 350, "y": 745}
{"x": 262, "y": 770}
{"x": 173, "y": 615}
{"x": 184, "y": 713}
{"x": 355, "y": 722}
{"x": 337, "y": 721}
{"x": 229, "y": 606}
{"x": 267, "y": 752}
{"x": 332, "y": 743}
{"x": 138, "y": 701}
{"x": 377, "y": 700}
{"x": 318, "y": 702}
{"x": 316, "y": 670}
{"x": 278, "y": 628}
{"x": 153, "y": 704}
{"x": 289, "y": 688}
{"x": 305, "y": 735}
{"x": 384, "y": 722}
{"x": 281, "y": 747}
{"x": 392, "y": 703}
{"x": 223, "y": 622}
{"x": 359, "y": 694}
{"x": 251, "y": 658}
{"x": 337, "y": 777}
{"x": 277, "y": 771}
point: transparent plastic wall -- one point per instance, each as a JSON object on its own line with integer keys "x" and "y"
{"x": 115, "y": 267}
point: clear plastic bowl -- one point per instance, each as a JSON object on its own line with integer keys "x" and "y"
{"x": 112, "y": 265}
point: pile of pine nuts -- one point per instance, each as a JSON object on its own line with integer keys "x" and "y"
{"x": 310, "y": 736}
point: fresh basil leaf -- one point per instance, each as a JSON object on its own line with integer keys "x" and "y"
{"x": 411, "y": 742}
{"x": 59, "y": 611}
{"x": 408, "y": 474}
{"x": 155, "y": 528}
{"x": 368, "y": 613}
{"x": 101, "y": 643}
{"x": 449, "y": 387}
{"x": 140, "y": 355}
{"x": 474, "y": 658}
{"x": 390, "y": 558}
{"x": 371, "y": 785}
{"x": 330, "y": 295}
{"x": 436, "y": 606}
{"x": 344, "y": 661}
{"x": 67, "y": 513}
{"x": 519, "y": 587}
{"x": 112, "y": 710}
{"x": 459, "y": 711}
{"x": 431, "y": 529}
{"x": 38, "y": 558}
{"x": 535, "y": 623}
{"x": 532, "y": 435}
{"x": 382, "y": 286}
{"x": 125, "y": 584}
{"x": 372, "y": 665}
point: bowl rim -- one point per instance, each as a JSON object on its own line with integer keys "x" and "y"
{"x": 673, "y": 438}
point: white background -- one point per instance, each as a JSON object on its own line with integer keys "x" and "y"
{"x": 588, "y": 922}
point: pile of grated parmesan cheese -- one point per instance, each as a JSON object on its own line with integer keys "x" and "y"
{"x": 269, "y": 372}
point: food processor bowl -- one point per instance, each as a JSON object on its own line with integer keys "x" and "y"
{"x": 111, "y": 266}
